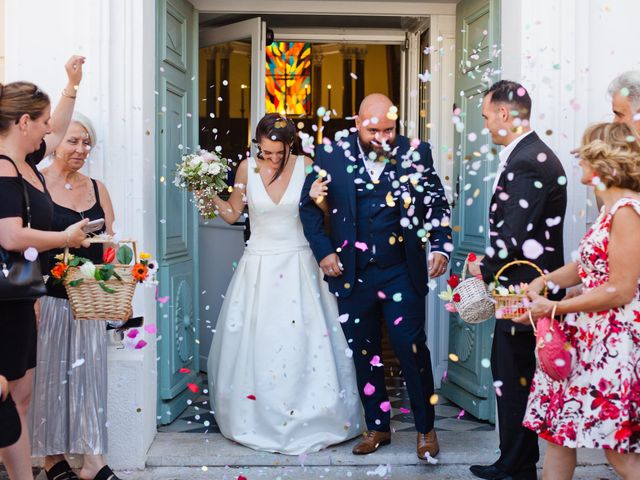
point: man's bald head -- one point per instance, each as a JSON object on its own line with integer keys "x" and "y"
{"x": 375, "y": 104}
{"x": 376, "y": 124}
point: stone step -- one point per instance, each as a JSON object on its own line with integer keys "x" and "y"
{"x": 213, "y": 450}
{"x": 439, "y": 472}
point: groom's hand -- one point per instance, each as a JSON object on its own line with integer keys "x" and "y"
{"x": 331, "y": 265}
{"x": 437, "y": 264}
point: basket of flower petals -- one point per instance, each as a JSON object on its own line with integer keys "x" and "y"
{"x": 104, "y": 291}
{"x": 469, "y": 297}
{"x": 510, "y": 302}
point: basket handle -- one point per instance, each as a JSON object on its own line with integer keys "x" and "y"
{"x": 553, "y": 315}
{"x": 523, "y": 262}
{"x": 134, "y": 244}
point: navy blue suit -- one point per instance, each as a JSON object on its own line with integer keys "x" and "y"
{"x": 382, "y": 231}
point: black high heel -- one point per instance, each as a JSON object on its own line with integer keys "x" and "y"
{"x": 61, "y": 471}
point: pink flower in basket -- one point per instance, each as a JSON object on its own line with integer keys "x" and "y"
{"x": 555, "y": 354}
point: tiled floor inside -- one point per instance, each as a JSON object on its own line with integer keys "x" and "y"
{"x": 197, "y": 418}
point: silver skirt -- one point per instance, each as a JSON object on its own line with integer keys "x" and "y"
{"x": 69, "y": 406}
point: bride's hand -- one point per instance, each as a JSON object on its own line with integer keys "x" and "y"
{"x": 319, "y": 190}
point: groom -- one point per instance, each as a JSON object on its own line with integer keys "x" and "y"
{"x": 387, "y": 211}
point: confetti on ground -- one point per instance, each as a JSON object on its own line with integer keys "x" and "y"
{"x": 251, "y": 397}
{"x": 380, "y": 471}
{"x": 193, "y": 387}
{"x": 430, "y": 460}
{"x": 77, "y": 363}
{"x": 141, "y": 344}
{"x": 461, "y": 414}
{"x": 184, "y": 370}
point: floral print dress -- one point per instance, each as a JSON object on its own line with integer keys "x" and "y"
{"x": 598, "y": 406}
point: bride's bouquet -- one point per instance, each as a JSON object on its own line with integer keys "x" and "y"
{"x": 204, "y": 173}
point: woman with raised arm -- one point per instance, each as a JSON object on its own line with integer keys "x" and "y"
{"x": 27, "y": 133}
{"x": 280, "y": 376}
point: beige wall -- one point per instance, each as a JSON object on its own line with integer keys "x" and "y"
{"x": 1, "y": 40}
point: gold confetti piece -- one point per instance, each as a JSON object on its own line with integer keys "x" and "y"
{"x": 364, "y": 352}
{"x": 161, "y": 179}
{"x": 404, "y": 178}
{"x": 476, "y": 193}
{"x": 347, "y": 285}
{"x": 549, "y": 132}
{"x": 322, "y": 173}
{"x": 453, "y": 357}
{"x": 523, "y": 381}
{"x": 392, "y": 240}
{"x": 389, "y": 199}
{"x": 457, "y": 228}
{"x": 407, "y": 202}
{"x": 400, "y": 238}
{"x": 433, "y": 399}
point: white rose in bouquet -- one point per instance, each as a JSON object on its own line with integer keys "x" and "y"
{"x": 214, "y": 169}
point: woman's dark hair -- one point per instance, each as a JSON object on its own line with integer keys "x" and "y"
{"x": 278, "y": 128}
{"x": 18, "y": 98}
{"x": 511, "y": 93}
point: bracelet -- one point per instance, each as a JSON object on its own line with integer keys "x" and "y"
{"x": 65, "y": 94}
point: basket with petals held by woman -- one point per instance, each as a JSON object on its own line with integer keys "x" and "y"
{"x": 104, "y": 291}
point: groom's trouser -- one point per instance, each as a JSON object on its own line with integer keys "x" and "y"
{"x": 388, "y": 293}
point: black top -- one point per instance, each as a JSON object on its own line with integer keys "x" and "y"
{"x": 12, "y": 202}
{"x": 62, "y": 218}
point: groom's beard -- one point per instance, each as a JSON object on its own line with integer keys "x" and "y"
{"x": 382, "y": 153}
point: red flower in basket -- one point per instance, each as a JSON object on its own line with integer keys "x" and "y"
{"x": 140, "y": 272}
{"x": 456, "y": 297}
{"x": 59, "y": 270}
{"x": 453, "y": 281}
{"x": 472, "y": 257}
{"x": 109, "y": 255}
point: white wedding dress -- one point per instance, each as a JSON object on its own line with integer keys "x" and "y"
{"x": 280, "y": 374}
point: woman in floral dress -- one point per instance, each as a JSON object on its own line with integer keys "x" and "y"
{"x": 598, "y": 405}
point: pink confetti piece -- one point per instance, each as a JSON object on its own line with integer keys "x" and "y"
{"x": 133, "y": 333}
{"x": 361, "y": 246}
{"x": 381, "y": 295}
{"x": 369, "y": 389}
{"x": 444, "y": 376}
{"x": 141, "y": 344}
{"x": 404, "y": 410}
{"x": 184, "y": 370}
{"x": 385, "y": 406}
{"x": 193, "y": 387}
{"x": 375, "y": 361}
{"x": 461, "y": 414}
{"x": 251, "y": 397}
{"x": 344, "y": 244}
{"x": 151, "y": 328}
{"x": 343, "y": 318}
{"x": 397, "y": 321}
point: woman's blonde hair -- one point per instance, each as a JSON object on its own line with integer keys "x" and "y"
{"x": 613, "y": 151}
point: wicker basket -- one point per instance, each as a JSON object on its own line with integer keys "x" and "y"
{"x": 90, "y": 302}
{"x": 512, "y": 305}
{"x": 475, "y": 305}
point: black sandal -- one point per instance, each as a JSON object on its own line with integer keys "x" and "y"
{"x": 105, "y": 473}
{"x": 61, "y": 471}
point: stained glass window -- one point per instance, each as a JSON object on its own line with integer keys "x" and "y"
{"x": 288, "y": 78}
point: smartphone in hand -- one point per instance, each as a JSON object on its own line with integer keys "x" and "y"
{"x": 93, "y": 225}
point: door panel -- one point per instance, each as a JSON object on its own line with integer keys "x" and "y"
{"x": 235, "y": 60}
{"x": 177, "y": 218}
{"x": 469, "y": 382}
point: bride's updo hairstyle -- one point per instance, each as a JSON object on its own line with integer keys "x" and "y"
{"x": 613, "y": 151}
{"x": 278, "y": 128}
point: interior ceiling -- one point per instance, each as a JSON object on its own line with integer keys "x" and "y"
{"x": 309, "y": 21}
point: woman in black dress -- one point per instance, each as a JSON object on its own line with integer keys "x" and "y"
{"x": 69, "y": 406}
{"x": 28, "y": 132}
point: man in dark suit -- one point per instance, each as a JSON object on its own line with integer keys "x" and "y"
{"x": 387, "y": 211}
{"x": 525, "y": 223}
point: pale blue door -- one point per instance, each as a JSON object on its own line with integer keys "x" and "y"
{"x": 468, "y": 382}
{"x": 176, "y": 133}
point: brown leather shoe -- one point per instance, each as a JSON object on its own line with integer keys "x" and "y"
{"x": 371, "y": 442}
{"x": 427, "y": 442}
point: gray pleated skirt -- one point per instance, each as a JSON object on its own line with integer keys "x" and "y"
{"x": 69, "y": 405}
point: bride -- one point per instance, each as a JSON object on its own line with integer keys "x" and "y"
{"x": 280, "y": 375}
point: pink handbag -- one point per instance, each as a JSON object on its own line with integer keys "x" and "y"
{"x": 554, "y": 352}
